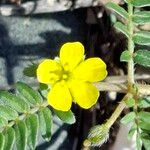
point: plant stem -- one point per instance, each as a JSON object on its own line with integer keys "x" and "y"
{"x": 117, "y": 112}
{"x": 121, "y": 87}
{"x": 130, "y": 48}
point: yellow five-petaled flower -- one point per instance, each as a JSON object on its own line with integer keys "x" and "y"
{"x": 71, "y": 77}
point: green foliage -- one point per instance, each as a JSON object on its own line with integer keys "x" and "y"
{"x": 2, "y": 141}
{"x": 128, "y": 118}
{"x": 130, "y": 102}
{"x": 7, "y": 112}
{"x": 119, "y": 10}
{"x": 132, "y": 131}
{"x": 144, "y": 116}
{"x": 21, "y": 135}
{"x": 32, "y": 123}
{"x": 66, "y": 117}
{"x": 140, "y": 3}
{"x": 142, "y": 57}
{"x": 142, "y": 38}
{"x": 125, "y": 56}
{"x": 122, "y": 28}
{"x": 9, "y": 139}
{"x": 30, "y": 71}
{"x": 138, "y": 117}
{"x": 141, "y": 17}
{"x": 15, "y": 102}
{"x": 45, "y": 119}
{"x": 144, "y": 102}
{"x": 22, "y": 116}
{"x": 29, "y": 94}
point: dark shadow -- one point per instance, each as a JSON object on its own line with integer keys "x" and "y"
{"x": 13, "y": 53}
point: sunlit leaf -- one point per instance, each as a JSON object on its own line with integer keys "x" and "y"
{"x": 2, "y": 141}
{"x": 128, "y": 118}
{"x": 45, "y": 120}
{"x": 139, "y": 143}
{"x": 29, "y": 94}
{"x": 122, "y": 28}
{"x": 130, "y": 102}
{"x": 3, "y": 122}
{"x": 119, "y": 10}
{"x": 140, "y": 3}
{"x": 67, "y": 117}
{"x": 15, "y": 102}
{"x": 144, "y": 102}
{"x": 144, "y": 116}
{"x": 142, "y": 38}
{"x": 21, "y": 135}
{"x": 132, "y": 131}
{"x": 9, "y": 135}
{"x": 125, "y": 56}
{"x": 8, "y": 113}
{"x": 142, "y": 57}
{"x": 141, "y": 17}
{"x": 32, "y": 124}
{"x": 144, "y": 125}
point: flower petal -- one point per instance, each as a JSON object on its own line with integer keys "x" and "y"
{"x": 71, "y": 54}
{"x": 59, "y": 97}
{"x": 92, "y": 70}
{"x": 84, "y": 93}
{"x": 49, "y": 71}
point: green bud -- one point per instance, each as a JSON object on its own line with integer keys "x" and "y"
{"x": 97, "y": 136}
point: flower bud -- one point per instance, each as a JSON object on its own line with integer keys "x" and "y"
{"x": 97, "y": 136}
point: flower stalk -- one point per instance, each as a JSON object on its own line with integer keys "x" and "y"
{"x": 130, "y": 48}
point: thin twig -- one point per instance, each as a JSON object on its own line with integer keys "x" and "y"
{"x": 122, "y": 88}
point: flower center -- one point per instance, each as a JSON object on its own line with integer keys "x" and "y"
{"x": 65, "y": 76}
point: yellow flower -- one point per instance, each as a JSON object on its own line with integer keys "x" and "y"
{"x": 71, "y": 77}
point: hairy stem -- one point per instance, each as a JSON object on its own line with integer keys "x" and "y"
{"x": 130, "y": 48}
{"x": 117, "y": 112}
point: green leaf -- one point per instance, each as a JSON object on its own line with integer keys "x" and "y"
{"x": 140, "y": 3}
{"x": 30, "y": 71}
{"x": 132, "y": 131}
{"x": 119, "y": 10}
{"x": 141, "y": 17}
{"x": 8, "y": 113}
{"x": 43, "y": 88}
{"x": 139, "y": 143}
{"x": 144, "y": 116}
{"x": 128, "y": 118}
{"x": 125, "y": 56}
{"x": 130, "y": 102}
{"x": 32, "y": 124}
{"x": 2, "y": 141}
{"x": 13, "y": 101}
{"x": 122, "y": 28}
{"x": 142, "y": 57}
{"x": 144, "y": 125}
{"x": 67, "y": 117}
{"x": 3, "y": 122}
{"x": 146, "y": 143}
{"x": 21, "y": 135}
{"x": 45, "y": 120}
{"x": 29, "y": 94}
{"x": 144, "y": 102}
{"x": 145, "y": 135}
{"x": 142, "y": 38}
{"x": 9, "y": 135}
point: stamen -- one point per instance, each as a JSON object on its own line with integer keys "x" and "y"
{"x": 65, "y": 76}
